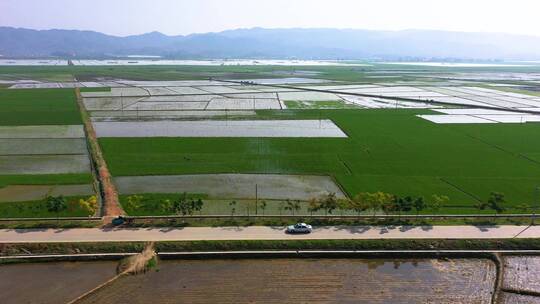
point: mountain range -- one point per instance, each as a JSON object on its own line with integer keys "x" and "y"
{"x": 259, "y": 43}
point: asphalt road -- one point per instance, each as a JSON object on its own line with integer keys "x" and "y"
{"x": 264, "y": 233}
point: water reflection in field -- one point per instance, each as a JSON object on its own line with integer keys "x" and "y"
{"x": 306, "y": 281}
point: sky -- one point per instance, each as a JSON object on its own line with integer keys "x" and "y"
{"x": 180, "y": 17}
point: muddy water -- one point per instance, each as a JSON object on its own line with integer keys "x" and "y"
{"x": 510, "y": 298}
{"x": 522, "y": 273}
{"x": 51, "y": 283}
{"x": 306, "y": 281}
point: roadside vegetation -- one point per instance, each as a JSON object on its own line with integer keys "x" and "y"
{"x": 51, "y": 207}
{"x": 162, "y": 204}
{"x": 190, "y": 246}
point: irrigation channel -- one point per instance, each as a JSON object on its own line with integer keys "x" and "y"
{"x": 278, "y": 277}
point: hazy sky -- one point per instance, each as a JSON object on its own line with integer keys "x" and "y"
{"x": 125, "y": 17}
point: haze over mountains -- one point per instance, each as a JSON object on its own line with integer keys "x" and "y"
{"x": 273, "y": 44}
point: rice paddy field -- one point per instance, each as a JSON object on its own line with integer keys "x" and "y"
{"x": 159, "y": 121}
{"x": 313, "y": 281}
{"x": 260, "y": 281}
{"x": 42, "y": 152}
{"x": 393, "y": 151}
{"x": 38, "y": 107}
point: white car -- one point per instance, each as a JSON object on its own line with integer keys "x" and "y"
{"x": 299, "y": 228}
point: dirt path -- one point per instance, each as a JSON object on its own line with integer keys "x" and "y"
{"x": 111, "y": 205}
{"x": 132, "y": 265}
{"x": 263, "y": 233}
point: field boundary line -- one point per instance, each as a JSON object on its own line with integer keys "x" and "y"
{"x": 311, "y": 217}
{"x": 110, "y": 203}
{"x": 61, "y": 219}
{"x": 461, "y": 190}
{"x": 514, "y": 154}
{"x": 53, "y": 154}
{"x": 456, "y": 253}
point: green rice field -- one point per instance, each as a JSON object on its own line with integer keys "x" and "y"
{"x": 57, "y": 109}
{"x": 38, "y": 107}
{"x": 387, "y": 150}
{"x": 46, "y": 179}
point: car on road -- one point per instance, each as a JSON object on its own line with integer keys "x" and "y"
{"x": 299, "y": 228}
{"x": 118, "y": 221}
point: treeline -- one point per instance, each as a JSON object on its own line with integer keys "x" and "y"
{"x": 362, "y": 203}
{"x": 375, "y": 202}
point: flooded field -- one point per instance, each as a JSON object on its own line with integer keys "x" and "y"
{"x": 23, "y": 193}
{"x": 306, "y": 281}
{"x": 221, "y": 128}
{"x": 51, "y": 283}
{"x": 511, "y": 298}
{"x": 239, "y": 186}
{"x": 522, "y": 273}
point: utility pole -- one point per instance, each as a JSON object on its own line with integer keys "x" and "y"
{"x": 256, "y": 199}
{"x": 535, "y": 204}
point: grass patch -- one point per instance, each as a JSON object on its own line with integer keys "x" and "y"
{"x": 282, "y": 222}
{"x": 46, "y": 179}
{"x": 190, "y": 246}
{"x": 52, "y": 224}
{"x": 38, "y": 107}
{"x": 100, "y": 89}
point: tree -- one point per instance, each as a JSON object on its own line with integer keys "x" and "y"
{"x": 289, "y": 205}
{"x": 389, "y": 206}
{"x": 89, "y": 205}
{"x": 481, "y": 205}
{"x": 281, "y": 206}
{"x": 438, "y": 201}
{"x": 167, "y": 206}
{"x": 381, "y": 200}
{"x": 134, "y": 202}
{"x": 296, "y": 206}
{"x": 314, "y": 205}
{"x": 56, "y": 204}
{"x": 197, "y": 205}
{"x": 344, "y": 205}
{"x": 496, "y": 201}
{"x": 233, "y": 208}
{"x": 407, "y": 204}
{"x": 293, "y": 206}
{"x": 361, "y": 202}
{"x": 419, "y": 204}
{"x": 263, "y": 206}
{"x": 182, "y": 206}
{"x": 329, "y": 203}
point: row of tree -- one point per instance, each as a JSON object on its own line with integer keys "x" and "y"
{"x": 57, "y": 204}
{"x": 183, "y": 205}
{"x": 389, "y": 203}
{"x": 329, "y": 204}
{"x": 374, "y": 202}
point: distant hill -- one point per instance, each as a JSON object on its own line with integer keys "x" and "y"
{"x": 273, "y": 43}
